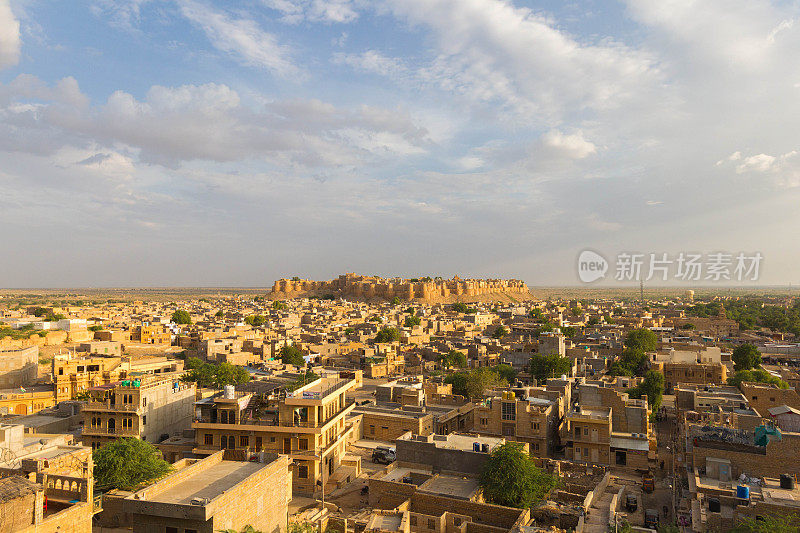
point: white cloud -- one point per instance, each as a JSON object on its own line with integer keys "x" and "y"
{"x": 294, "y": 11}
{"x": 208, "y": 122}
{"x": 10, "y": 42}
{"x": 372, "y": 61}
{"x": 492, "y": 51}
{"x": 572, "y": 146}
{"x": 242, "y": 38}
{"x": 783, "y": 170}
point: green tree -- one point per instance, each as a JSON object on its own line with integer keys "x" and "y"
{"x": 349, "y": 331}
{"x": 291, "y": 355}
{"x": 632, "y": 362}
{"x": 547, "y": 366}
{"x": 789, "y": 523}
{"x": 278, "y": 305}
{"x": 500, "y": 332}
{"x": 228, "y": 374}
{"x": 396, "y": 300}
{"x": 95, "y": 328}
{"x": 453, "y": 358}
{"x": 568, "y": 331}
{"x": 505, "y": 372}
{"x": 127, "y": 464}
{"x": 481, "y": 379}
{"x": 746, "y": 357}
{"x": 387, "y": 335}
{"x": 652, "y": 387}
{"x": 410, "y": 310}
{"x": 757, "y": 375}
{"x": 459, "y": 382}
{"x": 511, "y": 478}
{"x": 461, "y": 307}
{"x": 255, "y": 320}
{"x": 220, "y": 314}
{"x": 181, "y": 316}
{"x": 641, "y": 339}
{"x": 411, "y": 321}
{"x": 211, "y": 375}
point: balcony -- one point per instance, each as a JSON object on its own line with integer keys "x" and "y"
{"x": 108, "y": 406}
{"x": 119, "y": 432}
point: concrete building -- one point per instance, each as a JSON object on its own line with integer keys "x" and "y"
{"x": 151, "y": 408}
{"x": 215, "y": 494}
{"x": 532, "y": 419}
{"x": 459, "y": 454}
{"x": 309, "y": 425}
{"x": 18, "y": 368}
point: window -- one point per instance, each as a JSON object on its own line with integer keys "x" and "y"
{"x": 302, "y": 444}
{"x": 457, "y": 521}
{"x": 144, "y": 420}
{"x": 755, "y": 397}
{"x": 259, "y": 444}
{"x": 244, "y": 441}
{"x": 509, "y": 410}
{"x": 772, "y": 399}
{"x": 413, "y": 520}
{"x": 485, "y": 421}
{"x": 586, "y": 430}
{"x": 302, "y": 472}
{"x": 171, "y": 529}
{"x": 431, "y": 523}
{"x": 189, "y": 531}
{"x": 208, "y": 439}
{"x": 577, "y": 432}
{"x": 535, "y": 426}
{"x": 371, "y": 429}
{"x": 272, "y": 439}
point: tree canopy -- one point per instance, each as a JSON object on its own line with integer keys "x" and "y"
{"x": 214, "y": 375}
{"x": 652, "y": 387}
{"x": 127, "y": 464}
{"x": 632, "y": 362}
{"x": 511, "y": 478}
{"x": 387, "y": 335}
{"x": 544, "y": 366}
{"x": 472, "y": 384}
{"x": 255, "y": 320}
{"x": 181, "y": 316}
{"x": 291, "y": 355}
{"x": 746, "y": 357}
{"x": 411, "y": 321}
{"x": 789, "y": 523}
{"x": 641, "y": 339}
{"x": 453, "y": 358}
{"x": 461, "y": 307}
{"x": 757, "y": 375}
{"x": 278, "y": 305}
{"x": 500, "y": 332}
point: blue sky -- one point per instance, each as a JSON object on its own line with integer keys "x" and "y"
{"x": 190, "y": 142}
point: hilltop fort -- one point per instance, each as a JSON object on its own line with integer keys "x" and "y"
{"x": 432, "y": 290}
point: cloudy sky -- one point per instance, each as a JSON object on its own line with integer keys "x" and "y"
{"x": 200, "y": 143}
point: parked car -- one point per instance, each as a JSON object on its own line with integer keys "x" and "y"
{"x": 651, "y": 518}
{"x": 383, "y": 455}
{"x": 631, "y": 503}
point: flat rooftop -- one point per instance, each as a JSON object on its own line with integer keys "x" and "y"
{"x": 208, "y": 483}
{"x": 453, "y": 486}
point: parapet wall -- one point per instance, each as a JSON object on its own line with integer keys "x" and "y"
{"x": 373, "y": 287}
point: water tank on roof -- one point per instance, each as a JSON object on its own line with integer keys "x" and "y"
{"x": 476, "y": 446}
{"x": 485, "y": 448}
{"x": 229, "y": 392}
{"x": 743, "y": 492}
{"x": 787, "y": 482}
